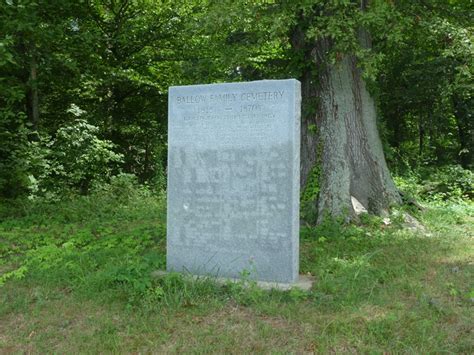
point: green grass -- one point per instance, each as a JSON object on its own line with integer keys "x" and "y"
{"x": 84, "y": 285}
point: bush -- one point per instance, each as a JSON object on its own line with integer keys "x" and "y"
{"x": 75, "y": 159}
{"x": 309, "y": 196}
{"x": 448, "y": 183}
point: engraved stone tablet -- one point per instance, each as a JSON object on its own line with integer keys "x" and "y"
{"x": 233, "y": 180}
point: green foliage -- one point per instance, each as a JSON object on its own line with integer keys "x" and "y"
{"x": 14, "y": 157}
{"x": 91, "y": 259}
{"x": 309, "y": 195}
{"x": 111, "y": 241}
{"x": 110, "y": 64}
{"x": 13, "y": 131}
{"x": 91, "y": 243}
{"x": 75, "y": 159}
{"x": 449, "y": 183}
{"x": 114, "y": 60}
{"x": 425, "y": 83}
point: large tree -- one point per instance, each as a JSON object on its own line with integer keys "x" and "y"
{"x": 326, "y": 44}
{"x": 345, "y": 142}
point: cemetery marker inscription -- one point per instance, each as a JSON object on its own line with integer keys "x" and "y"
{"x": 233, "y": 180}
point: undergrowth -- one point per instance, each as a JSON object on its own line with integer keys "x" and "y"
{"x": 105, "y": 247}
{"x": 111, "y": 241}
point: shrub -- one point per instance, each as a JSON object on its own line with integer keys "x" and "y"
{"x": 309, "y": 195}
{"x": 448, "y": 183}
{"x": 75, "y": 159}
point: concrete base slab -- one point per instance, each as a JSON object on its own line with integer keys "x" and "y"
{"x": 305, "y": 282}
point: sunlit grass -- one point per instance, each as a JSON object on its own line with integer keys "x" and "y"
{"x": 87, "y": 286}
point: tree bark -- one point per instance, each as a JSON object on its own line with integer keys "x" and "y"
{"x": 421, "y": 135}
{"x": 309, "y": 139}
{"x": 465, "y": 130}
{"x": 32, "y": 95}
{"x": 309, "y": 155}
{"x": 352, "y": 159}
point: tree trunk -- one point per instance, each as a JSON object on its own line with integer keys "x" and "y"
{"x": 465, "y": 126}
{"x": 395, "y": 122}
{"x": 32, "y": 95}
{"x": 339, "y": 130}
{"x": 308, "y": 154}
{"x": 421, "y": 135}
{"x": 352, "y": 159}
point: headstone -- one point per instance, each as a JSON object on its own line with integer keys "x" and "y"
{"x": 233, "y": 180}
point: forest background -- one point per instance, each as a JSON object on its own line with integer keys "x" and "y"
{"x": 84, "y": 83}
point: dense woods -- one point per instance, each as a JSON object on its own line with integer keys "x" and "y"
{"x": 84, "y": 87}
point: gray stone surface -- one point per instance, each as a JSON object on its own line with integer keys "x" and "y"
{"x": 305, "y": 282}
{"x": 233, "y": 180}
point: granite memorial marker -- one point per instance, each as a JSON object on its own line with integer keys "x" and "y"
{"x": 233, "y": 180}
